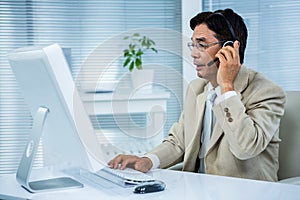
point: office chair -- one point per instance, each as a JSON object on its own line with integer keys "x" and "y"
{"x": 289, "y": 148}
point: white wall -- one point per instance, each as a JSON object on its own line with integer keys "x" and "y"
{"x": 189, "y": 9}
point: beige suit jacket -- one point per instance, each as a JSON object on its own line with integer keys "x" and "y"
{"x": 245, "y": 138}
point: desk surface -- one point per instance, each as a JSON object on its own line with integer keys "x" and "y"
{"x": 180, "y": 185}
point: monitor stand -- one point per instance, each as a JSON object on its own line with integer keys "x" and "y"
{"x": 28, "y": 157}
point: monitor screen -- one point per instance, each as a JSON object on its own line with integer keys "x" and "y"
{"x": 46, "y": 81}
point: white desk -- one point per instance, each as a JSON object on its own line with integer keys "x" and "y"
{"x": 179, "y": 185}
{"x": 119, "y": 103}
{"x": 153, "y": 103}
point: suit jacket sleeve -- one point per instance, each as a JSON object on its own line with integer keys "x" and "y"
{"x": 171, "y": 150}
{"x": 251, "y": 119}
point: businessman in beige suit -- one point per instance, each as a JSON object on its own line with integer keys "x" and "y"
{"x": 244, "y": 140}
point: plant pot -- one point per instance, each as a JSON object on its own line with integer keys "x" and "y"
{"x": 142, "y": 79}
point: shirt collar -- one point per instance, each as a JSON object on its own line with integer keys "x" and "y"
{"x": 217, "y": 89}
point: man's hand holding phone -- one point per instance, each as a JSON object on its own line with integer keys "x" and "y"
{"x": 229, "y": 66}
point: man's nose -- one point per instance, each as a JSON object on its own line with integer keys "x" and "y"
{"x": 195, "y": 53}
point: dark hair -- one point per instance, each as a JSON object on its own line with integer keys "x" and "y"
{"x": 219, "y": 24}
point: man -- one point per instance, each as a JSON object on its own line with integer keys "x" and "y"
{"x": 244, "y": 140}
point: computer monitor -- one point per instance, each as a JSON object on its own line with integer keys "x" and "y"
{"x": 46, "y": 81}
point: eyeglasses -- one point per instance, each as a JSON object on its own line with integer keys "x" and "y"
{"x": 200, "y": 46}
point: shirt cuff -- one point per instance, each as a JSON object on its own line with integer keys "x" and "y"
{"x": 154, "y": 159}
{"x": 225, "y": 96}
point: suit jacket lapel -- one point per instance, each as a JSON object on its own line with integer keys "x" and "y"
{"x": 201, "y": 99}
{"x": 195, "y": 144}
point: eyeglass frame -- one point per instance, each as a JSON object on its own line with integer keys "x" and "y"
{"x": 205, "y": 46}
{"x": 202, "y": 47}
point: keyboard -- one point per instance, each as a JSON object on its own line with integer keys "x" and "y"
{"x": 125, "y": 178}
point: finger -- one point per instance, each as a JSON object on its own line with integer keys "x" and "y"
{"x": 236, "y": 54}
{"x": 124, "y": 164}
{"x": 231, "y": 54}
{"x": 110, "y": 163}
{"x": 128, "y": 161}
{"x": 116, "y": 161}
{"x": 222, "y": 56}
{"x": 236, "y": 44}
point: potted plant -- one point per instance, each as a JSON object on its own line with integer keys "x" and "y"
{"x": 137, "y": 46}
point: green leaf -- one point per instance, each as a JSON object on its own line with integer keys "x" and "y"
{"x": 132, "y": 47}
{"x": 126, "y": 37}
{"x": 126, "y": 53}
{"x": 126, "y": 61}
{"x": 131, "y": 66}
{"x": 153, "y": 49}
{"x": 143, "y": 42}
{"x": 136, "y": 34}
{"x": 148, "y": 44}
{"x": 139, "y": 53}
{"x": 138, "y": 63}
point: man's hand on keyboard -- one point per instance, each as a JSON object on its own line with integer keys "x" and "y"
{"x": 142, "y": 164}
